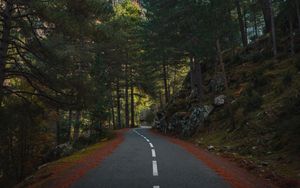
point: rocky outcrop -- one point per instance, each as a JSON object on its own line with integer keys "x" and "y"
{"x": 58, "y": 152}
{"x": 220, "y": 100}
{"x": 184, "y": 123}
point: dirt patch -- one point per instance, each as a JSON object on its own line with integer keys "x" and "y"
{"x": 63, "y": 173}
{"x": 231, "y": 172}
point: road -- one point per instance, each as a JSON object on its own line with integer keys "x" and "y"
{"x": 145, "y": 160}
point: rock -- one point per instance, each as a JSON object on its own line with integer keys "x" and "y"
{"x": 43, "y": 166}
{"x": 196, "y": 119}
{"x": 220, "y": 100}
{"x": 29, "y": 178}
{"x": 207, "y": 110}
{"x": 59, "y": 151}
{"x": 264, "y": 163}
{"x": 199, "y": 142}
{"x": 228, "y": 148}
{"x": 210, "y": 147}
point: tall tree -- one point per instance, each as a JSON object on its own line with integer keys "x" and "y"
{"x": 243, "y": 28}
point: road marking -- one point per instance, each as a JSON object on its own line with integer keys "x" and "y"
{"x": 153, "y": 153}
{"x": 155, "y": 186}
{"x": 147, "y": 140}
{"x": 155, "y": 171}
{"x": 151, "y": 145}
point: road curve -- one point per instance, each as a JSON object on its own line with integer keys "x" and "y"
{"x": 145, "y": 160}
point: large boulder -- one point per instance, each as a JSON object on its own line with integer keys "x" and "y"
{"x": 59, "y": 151}
{"x": 196, "y": 119}
{"x": 177, "y": 121}
{"x": 220, "y": 100}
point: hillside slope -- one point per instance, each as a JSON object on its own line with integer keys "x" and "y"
{"x": 265, "y": 99}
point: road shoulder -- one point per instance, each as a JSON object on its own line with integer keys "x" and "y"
{"x": 66, "y": 171}
{"x": 236, "y": 176}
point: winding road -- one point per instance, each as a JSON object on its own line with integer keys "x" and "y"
{"x": 146, "y": 160}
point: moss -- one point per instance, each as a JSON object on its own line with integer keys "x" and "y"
{"x": 267, "y": 114}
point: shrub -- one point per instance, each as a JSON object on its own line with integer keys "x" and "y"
{"x": 287, "y": 79}
{"x": 252, "y": 101}
{"x": 259, "y": 79}
{"x": 297, "y": 63}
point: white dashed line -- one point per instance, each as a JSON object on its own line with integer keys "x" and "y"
{"x": 153, "y": 153}
{"x": 154, "y": 163}
{"x": 154, "y": 166}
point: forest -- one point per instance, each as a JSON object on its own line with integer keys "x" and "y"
{"x": 71, "y": 71}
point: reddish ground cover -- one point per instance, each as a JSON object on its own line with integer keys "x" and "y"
{"x": 64, "y": 174}
{"x": 231, "y": 172}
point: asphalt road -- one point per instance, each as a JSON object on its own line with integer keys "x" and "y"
{"x": 145, "y": 160}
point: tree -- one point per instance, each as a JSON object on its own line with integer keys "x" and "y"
{"x": 243, "y": 28}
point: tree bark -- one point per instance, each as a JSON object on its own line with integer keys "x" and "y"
{"x": 227, "y": 103}
{"x": 77, "y": 126}
{"x": 192, "y": 72}
{"x": 255, "y": 25}
{"x": 298, "y": 12}
{"x": 126, "y": 97}
{"x": 196, "y": 78}
{"x": 119, "y": 122}
{"x": 165, "y": 77}
{"x": 132, "y": 102}
{"x": 273, "y": 31}
{"x": 198, "y": 81}
{"x": 112, "y": 110}
{"x": 266, "y": 9}
{"x": 7, "y": 18}
{"x": 242, "y": 24}
{"x": 161, "y": 99}
{"x": 69, "y": 126}
{"x": 174, "y": 82}
{"x": 292, "y": 38}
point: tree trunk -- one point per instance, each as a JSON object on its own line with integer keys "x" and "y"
{"x": 6, "y": 28}
{"x": 119, "y": 122}
{"x": 273, "y": 31}
{"x": 69, "y": 126}
{"x": 292, "y": 38}
{"x": 165, "y": 77}
{"x": 227, "y": 103}
{"x": 196, "y": 78}
{"x": 174, "y": 82}
{"x": 242, "y": 24}
{"x": 266, "y": 9}
{"x": 298, "y": 12}
{"x": 161, "y": 99}
{"x": 192, "y": 72}
{"x": 112, "y": 110}
{"x": 77, "y": 126}
{"x": 132, "y": 102}
{"x": 126, "y": 97}
{"x": 198, "y": 81}
{"x": 255, "y": 25}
